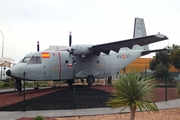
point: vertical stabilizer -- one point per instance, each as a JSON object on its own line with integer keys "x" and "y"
{"x": 140, "y": 30}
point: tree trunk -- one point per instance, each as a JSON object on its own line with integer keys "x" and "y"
{"x": 132, "y": 113}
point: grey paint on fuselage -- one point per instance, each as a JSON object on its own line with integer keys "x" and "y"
{"x": 56, "y": 67}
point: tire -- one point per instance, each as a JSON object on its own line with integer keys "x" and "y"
{"x": 70, "y": 82}
{"x": 18, "y": 86}
{"x": 90, "y": 80}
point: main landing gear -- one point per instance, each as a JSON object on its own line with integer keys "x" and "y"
{"x": 70, "y": 82}
{"x": 90, "y": 80}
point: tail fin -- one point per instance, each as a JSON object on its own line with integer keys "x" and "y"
{"x": 140, "y": 30}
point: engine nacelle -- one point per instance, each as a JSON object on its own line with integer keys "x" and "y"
{"x": 81, "y": 50}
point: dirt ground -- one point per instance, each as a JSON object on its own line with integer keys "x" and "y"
{"x": 170, "y": 114}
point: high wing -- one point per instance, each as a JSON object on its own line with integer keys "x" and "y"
{"x": 115, "y": 46}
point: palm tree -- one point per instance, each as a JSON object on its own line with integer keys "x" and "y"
{"x": 132, "y": 91}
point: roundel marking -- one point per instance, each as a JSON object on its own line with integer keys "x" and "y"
{"x": 123, "y": 56}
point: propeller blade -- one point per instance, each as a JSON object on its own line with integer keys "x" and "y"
{"x": 37, "y": 46}
{"x": 70, "y": 39}
{"x": 69, "y": 49}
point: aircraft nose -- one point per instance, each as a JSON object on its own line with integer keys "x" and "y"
{"x": 8, "y": 72}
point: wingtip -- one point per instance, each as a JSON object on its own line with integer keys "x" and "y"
{"x": 161, "y": 36}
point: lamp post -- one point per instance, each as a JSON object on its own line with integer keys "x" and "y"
{"x": 2, "y": 49}
{"x": 166, "y": 79}
{"x": 166, "y": 92}
{"x": 24, "y": 101}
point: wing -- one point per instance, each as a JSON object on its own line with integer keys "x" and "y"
{"x": 115, "y": 46}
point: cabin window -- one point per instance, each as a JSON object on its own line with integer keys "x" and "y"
{"x": 66, "y": 62}
{"x": 74, "y": 62}
{"x": 97, "y": 61}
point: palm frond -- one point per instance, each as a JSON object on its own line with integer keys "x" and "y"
{"x": 133, "y": 91}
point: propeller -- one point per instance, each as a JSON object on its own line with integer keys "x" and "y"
{"x": 69, "y": 50}
{"x": 37, "y": 46}
{"x": 70, "y": 39}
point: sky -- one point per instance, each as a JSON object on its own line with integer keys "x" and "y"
{"x": 24, "y": 22}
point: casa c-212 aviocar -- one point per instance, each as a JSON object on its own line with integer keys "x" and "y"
{"x": 84, "y": 61}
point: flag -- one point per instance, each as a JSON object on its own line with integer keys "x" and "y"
{"x": 45, "y": 55}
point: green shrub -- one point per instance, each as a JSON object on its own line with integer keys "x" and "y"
{"x": 7, "y": 85}
{"x": 1, "y": 85}
{"x": 39, "y": 118}
{"x": 178, "y": 88}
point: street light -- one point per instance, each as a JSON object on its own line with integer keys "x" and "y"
{"x": 166, "y": 78}
{"x": 2, "y": 49}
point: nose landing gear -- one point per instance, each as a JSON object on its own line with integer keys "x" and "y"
{"x": 18, "y": 86}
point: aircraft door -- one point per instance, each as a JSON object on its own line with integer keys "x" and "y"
{"x": 47, "y": 70}
{"x": 30, "y": 72}
{"x": 34, "y": 68}
{"x": 107, "y": 65}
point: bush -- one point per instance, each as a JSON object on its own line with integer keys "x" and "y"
{"x": 1, "y": 85}
{"x": 39, "y": 118}
{"x": 178, "y": 88}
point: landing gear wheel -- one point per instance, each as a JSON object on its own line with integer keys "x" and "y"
{"x": 70, "y": 82}
{"x": 36, "y": 87}
{"x": 82, "y": 80}
{"x": 90, "y": 80}
{"x": 18, "y": 86}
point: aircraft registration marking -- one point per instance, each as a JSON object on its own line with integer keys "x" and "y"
{"x": 123, "y": 56}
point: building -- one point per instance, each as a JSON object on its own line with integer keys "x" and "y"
{"x": 142, "y": 64}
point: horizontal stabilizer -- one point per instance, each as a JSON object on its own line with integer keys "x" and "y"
{"x": 150, "y": 51}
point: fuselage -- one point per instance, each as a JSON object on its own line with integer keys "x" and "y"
{"x": 55, "y": 65}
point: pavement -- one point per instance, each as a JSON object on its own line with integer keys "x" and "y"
{"x": 14, "y": 115}
{"x": 78, "y": 112}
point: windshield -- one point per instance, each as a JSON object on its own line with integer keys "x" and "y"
{"x": 25, "y": 60}
{"x": 35, "y": 60}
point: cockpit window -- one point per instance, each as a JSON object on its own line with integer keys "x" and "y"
{"x": 38, "y": 60}
{"x": 32, "y": 60}
{"x": 25, "y": 60}
{"x": 35, "y": 60}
